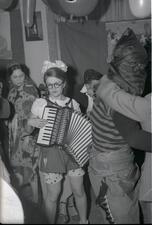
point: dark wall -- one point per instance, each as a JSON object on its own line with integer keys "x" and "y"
{"x": 16, "y": 39}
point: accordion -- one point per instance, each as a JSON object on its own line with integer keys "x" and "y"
{"x": 69, "y": 128}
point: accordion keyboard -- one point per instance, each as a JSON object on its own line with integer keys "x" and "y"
{"x": 45, "y": 132}
{"x": 54, "y": 131}
{"x": 68, "y": 128}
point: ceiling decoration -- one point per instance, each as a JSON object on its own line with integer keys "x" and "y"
{"x": 72, "y": 8}
{"x": 8, "y": 5}
{"x": 140, "y": 8}
{"x": 78, "y": 10}
{"x": 28, "y": 12}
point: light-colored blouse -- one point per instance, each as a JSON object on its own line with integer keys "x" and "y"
{"x": 40, "y": 103}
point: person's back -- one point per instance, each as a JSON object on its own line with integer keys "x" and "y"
{"x": 139, "y": 109}
{"x": 113, "y": 163}
{"x": 109, "y": 139}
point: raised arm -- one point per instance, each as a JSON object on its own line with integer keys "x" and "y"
{"x": 134, "y": 107}
{"x": 132, "y": 133}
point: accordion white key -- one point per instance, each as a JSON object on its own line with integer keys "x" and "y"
{"x": 69, "y": 128}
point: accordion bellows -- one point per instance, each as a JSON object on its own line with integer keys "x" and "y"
{"x": 129, "y": 61}
{"x": 69, "y": 129}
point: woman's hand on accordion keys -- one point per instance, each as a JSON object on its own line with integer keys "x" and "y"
{"x": 37, "y": 122}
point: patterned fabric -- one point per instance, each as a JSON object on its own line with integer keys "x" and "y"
{"x": 105, "y": 135}
{"x": 114, "y": 176}
{"x": 102, "y": 202}
{"x": 127, "y": 67}
{"x": 52, "y": 178}
{"x": 112, "y": 159}
{"x": 23, "y": 151}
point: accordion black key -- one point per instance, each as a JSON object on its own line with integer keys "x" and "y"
{"x": 67, "y": 128}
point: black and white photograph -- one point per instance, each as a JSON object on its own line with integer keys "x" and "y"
{"x": 75, "y": 112}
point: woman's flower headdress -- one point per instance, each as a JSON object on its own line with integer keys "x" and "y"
{"x": 13, "y": 64}
{"x": 57, "y": 64}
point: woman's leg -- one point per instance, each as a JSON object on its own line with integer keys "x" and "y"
{"x": 51, "y": 191}
{"x": 80, "y": 197}
{"x": 72, "y": 209}
{"x": 35, "y": 189}
{"x": 66, "y": 192}
{"x": 43, "y": 186}
{"x": 63, "y": 204}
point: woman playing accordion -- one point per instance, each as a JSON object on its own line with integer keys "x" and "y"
{"x": 55, "y": 160}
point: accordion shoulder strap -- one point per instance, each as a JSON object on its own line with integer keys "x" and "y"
{"x": 50, "y": 103}
{"x": 70, "y": 103}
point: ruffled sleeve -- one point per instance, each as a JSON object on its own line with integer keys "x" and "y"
{"x": 38, "y": 107}
{"x": 76, "y": 105}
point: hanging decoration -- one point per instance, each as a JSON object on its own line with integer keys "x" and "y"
{"x": 140, "y": 8}
{"x": 78, "y": 7}
{"x": 8, "y": 5}
{"x": 75, "y": 8}
{"x": 142, "y": 29}
{"x": 28, "y": 12}
{"x": 67, "y": 9}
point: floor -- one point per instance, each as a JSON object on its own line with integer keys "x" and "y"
{"x": 34, "y": 215}
{"x": 34, "y": 212}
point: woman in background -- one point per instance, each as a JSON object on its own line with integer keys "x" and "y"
{"x": 4, "y": 114}
{"x": 23, "y": 150}
{"x": 86, "y": 95}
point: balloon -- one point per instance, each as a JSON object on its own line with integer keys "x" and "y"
{"x": 55, "y": 7}
{"x": 8, "y": 4}
{"x": 28, "y": 12}
{"x": 140, "y": 8}
{"x": 78, "y": 7}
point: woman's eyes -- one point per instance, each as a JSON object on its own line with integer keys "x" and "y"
{"x": 20, "y": 76}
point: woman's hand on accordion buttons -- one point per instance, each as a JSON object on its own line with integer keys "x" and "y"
{"x": 37, "y": 122}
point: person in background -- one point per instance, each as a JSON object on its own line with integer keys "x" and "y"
{"x": 113, "y": 172}
{"x": 8, "y": 197}
{"x": 85, "y": 98}
{"x": 86, "y": 95}
{"x": 4, "y": 172}
{"x": 139, "y": 109}
{"x": 22, "y": 147}
{"x": 43, "y": 90}
{"x": 4, "y": 114}
{"x": 54, "y": 162}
